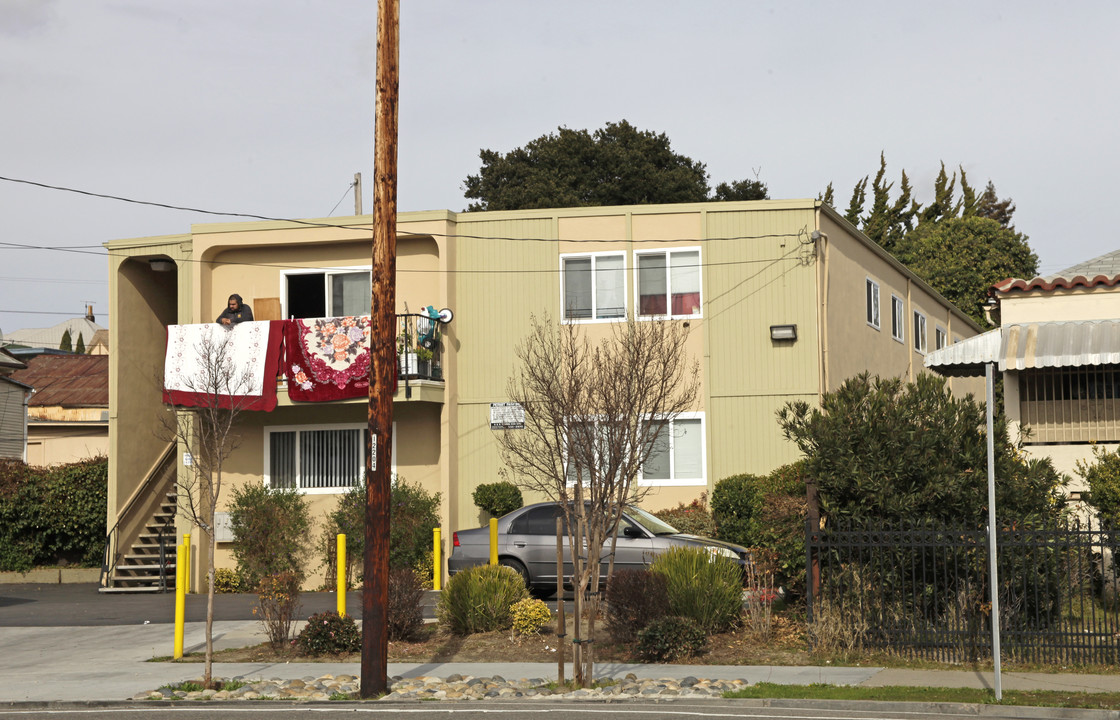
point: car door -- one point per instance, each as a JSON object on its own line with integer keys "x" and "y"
{"x": 634, "y": 548}
{"x": 532, "y": 540}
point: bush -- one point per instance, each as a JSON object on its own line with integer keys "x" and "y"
{"x": 479, "y": 599}
{"x": 736, "y": 503}
{"x": 529, "y": 616}
{"x": 52, "y": 516}
{"x": 270, "y": 529}
{"x": 498, "y": 498}
{"x": 227, "y": 581}
{"x": 704, "y": 587}
{"x": 694, "y": 518}
{"x": 406, "y": 591}
{"x": 670, "y": 638}
{"x": 414, "y": 513}
{"x": 328, "y": 633}
{"x": 278, "y": 604}
{"x": 635, "y": 598}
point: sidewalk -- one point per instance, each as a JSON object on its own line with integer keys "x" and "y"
{"x": 110, "y": 664}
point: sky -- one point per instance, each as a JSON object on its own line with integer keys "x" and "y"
{"x": 267, "y": 108}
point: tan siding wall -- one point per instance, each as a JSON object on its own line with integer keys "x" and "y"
{"x": 757, "y": 279}
{"x": 12, "y": 420}
{"x": 1060, "y": 305}
{"x": 56, "y": 445}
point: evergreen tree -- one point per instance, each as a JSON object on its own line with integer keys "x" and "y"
{"x": 741, "y": 190}
{"x": 877, "y": 223}
{"x": 969, "y": 204}
{"x": 942, "y": 205}
{"x": 80, "y": 347}
{"x": 903, "y": 212}
{"x": 828, "y": 196}
{"x": 855, "y": 205}
{"x": 66, "y": 344}
{"x": 990, "y": 206}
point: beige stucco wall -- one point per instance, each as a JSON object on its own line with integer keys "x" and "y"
{"x": 1099, "y": 303}
{"x": 55, "y": 445}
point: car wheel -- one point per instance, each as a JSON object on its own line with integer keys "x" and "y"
{"x": 517, "y": 567}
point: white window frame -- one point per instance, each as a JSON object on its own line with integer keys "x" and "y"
{"x": 268, "y": 430}
{"x": 940, "y": 337}
{"x": 685, "y": 482}
{"x": 898, "y": 318}
{"x": 919, "y": 319}
{"x": 594, "y": 257}
{"x": 872, "y": 302}
{"x": 667, "y": 252}
{"x": 326, "y": 273}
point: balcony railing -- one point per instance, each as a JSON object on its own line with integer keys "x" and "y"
{"x": 420, "y": 347}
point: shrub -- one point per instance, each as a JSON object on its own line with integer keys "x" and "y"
{"x": 635, "y": 598}
{"x": 406, "y": 591}
{"x": 479, "y": 599}
{"x": 227, "y": 581}
{"x": 413, "y": 514}
{"x": 498, "y": 498}
{"x": 736, "y": 502}
{"x": 278, "y": 603}
{"x": 328, "y": 633}
{"x": 52, "y": 516}
{"x": 529, "y": 616}
{"x": 705, "y": 587}
{"x": 270, "y": 529}
{"x": 694, "y": 518}
{"x": 670, "y": 638}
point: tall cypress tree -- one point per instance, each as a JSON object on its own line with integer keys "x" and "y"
{"x": 878, "y": 221}
{"x": 855, "y": 205}
{"x": 80, "y": 347}
{"x": 65, "y": 344}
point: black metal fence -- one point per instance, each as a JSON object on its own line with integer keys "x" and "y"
{"x": 922, "y": 589}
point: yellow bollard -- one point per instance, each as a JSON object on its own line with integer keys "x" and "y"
{"x": 340, "y": 571}
{"x": 493, "y": 541}
{"x": 436, "y": 561}
{"x": 180, "y": 597}
{"x": 187, "y": 563}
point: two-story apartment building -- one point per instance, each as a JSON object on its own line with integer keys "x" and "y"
{"x": 784, "y": 300}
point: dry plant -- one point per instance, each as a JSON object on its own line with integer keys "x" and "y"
{"x": 760, "y": 592}
{"x": 594, "y": 413}
{"x": 209, "y": 431}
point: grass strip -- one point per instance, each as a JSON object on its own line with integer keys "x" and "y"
{"x": 1036, "y": 698}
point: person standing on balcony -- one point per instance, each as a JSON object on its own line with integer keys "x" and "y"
{"x": 236, "y": 312}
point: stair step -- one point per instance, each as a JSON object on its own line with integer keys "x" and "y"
{"x": 142, "y": 589}
{"x": 155, "y": 568}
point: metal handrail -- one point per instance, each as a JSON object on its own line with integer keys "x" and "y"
{"x": 108, "y": 560}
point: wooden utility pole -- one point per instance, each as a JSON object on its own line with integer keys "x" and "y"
{"x": 357, "y": 193}
{"x": 383, "y": 330}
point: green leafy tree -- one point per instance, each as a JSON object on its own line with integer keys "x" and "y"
{"x": 270, "y": 531}
{"x": 1103, "y": 478}
{"x": 67, "y": 343}
{"x": 963, "y": 257}
{"x": 617, "y": 164}
{"x": 884, "y": 450}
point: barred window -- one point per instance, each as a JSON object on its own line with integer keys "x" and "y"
{"x": 1073, "y": 404}
{"x": 323, "y": 459}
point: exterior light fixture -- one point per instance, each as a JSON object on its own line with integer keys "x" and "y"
{"x": 161, "y": 264}
{"x": 783, "y": 332}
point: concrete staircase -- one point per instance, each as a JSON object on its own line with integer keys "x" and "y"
{"x": 138, "y": 570}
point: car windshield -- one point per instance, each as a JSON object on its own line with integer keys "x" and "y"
{"x": 651, "y": 523}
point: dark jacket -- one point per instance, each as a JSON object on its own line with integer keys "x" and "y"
{"x": 244, "y": 313}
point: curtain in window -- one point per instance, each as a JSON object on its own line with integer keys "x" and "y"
{"x": 577, "y": 288}
{"x": 652, "y": 284}
{"x": 657, "y": 464}
{"x": 350, "y": 293}
{"x": 687, "y": 450}
{"x": 610, "y": 300}
{"x": 684, "y": 279}
{"x": 282, "y": 459}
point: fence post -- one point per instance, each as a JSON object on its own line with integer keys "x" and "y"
{"x": 340, "y": 573}
{"x": 437, "y": 561}
{"x": 493, "y": 541}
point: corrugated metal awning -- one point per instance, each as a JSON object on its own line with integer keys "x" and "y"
{"x": 1032, "y": 345}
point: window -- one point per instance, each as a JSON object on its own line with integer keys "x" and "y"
{"x": 678, "y": 453}
{"x": 331, "y": 293}
{"x": 1079, "y": 404}
{"x": 898, "y": 318}
{"x": 940, "y": 338}
{"x": 317, "y": 458}
{"x": 669, "y": 283}
{"x": 593, "y": 287}
{"x": 919, "y": 332}
{"x": 872, "y": 303}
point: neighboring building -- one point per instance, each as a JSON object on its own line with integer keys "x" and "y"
{"x": 99, "y": 344}
{"x": 51, "y": 338}
{"x": 68, "y": 416}
{"x": 1058, "y": 347}
{"x": 784, "y": 300}
{"x": 14, "y": 396}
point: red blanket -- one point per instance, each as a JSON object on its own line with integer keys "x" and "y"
{"x": 327, "y": 358}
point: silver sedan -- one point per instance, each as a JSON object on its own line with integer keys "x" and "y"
{"x": 527, "y": 543}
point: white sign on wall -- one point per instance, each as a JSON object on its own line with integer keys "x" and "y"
{"x": 507, "y": 416}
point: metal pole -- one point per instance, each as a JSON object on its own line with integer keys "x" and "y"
{"x": 340, "y": 573}
{"x": 375, "y": 590}
{"x": 994, "y": 576}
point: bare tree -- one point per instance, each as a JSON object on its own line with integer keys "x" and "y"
{"x": 594, "y": 413}
{"x": 209, "y": 431}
